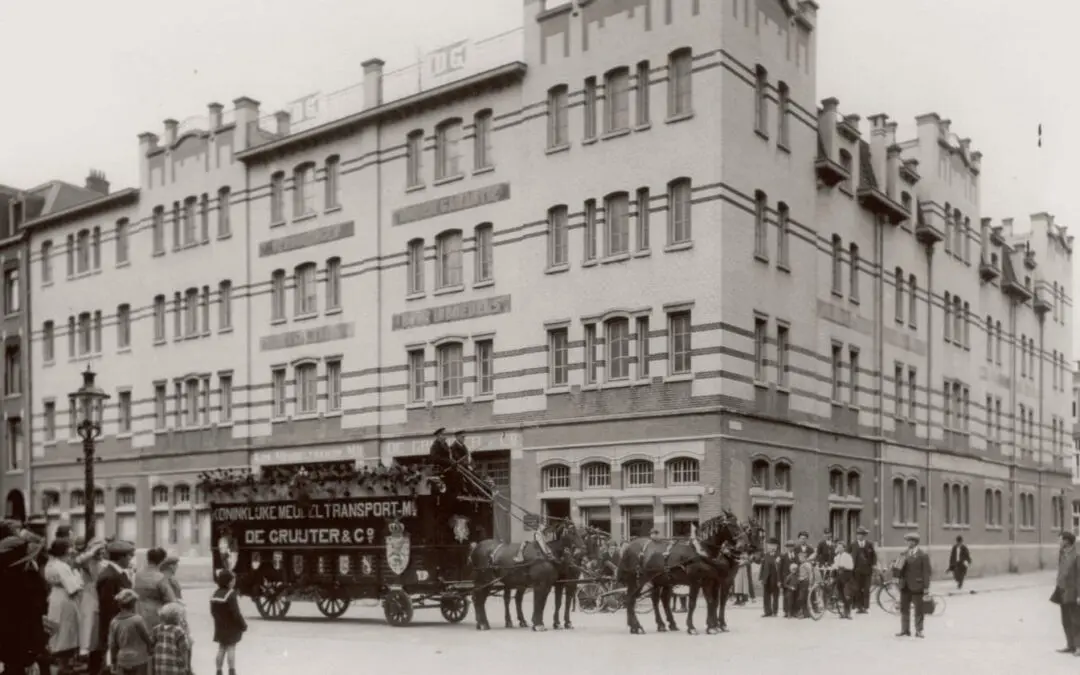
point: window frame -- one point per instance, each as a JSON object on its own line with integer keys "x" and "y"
{"x": 680, "y": 102}
{"x": 450, "y": 370}
{"x": 448, "y": 260}
{"x": 558, "y": 108}
{"x": 448, "y": 137}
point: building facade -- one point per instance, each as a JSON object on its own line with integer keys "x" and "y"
{"x": 638, "y": 264}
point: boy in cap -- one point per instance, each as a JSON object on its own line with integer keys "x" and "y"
{"x": 914, "y": 576}
{"x": 130, "y": 643}
{"x": 789, "y": 564}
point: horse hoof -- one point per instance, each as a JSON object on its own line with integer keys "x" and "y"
{"x": 556, "y": 627}
{"x": 637, "y": 630}
{"x": 568, "y": 626}
{"x": 691, "y": 631}
{"x": 712, "y": 631}
{"x": 509, "y": 624}
{"x": 539, "y": 629}
{"x": 661, "y": 629}
{"x": 482, "y": 626}
{"x": 674, "y": 628}
{"x": 522, "y": 624}
{"x": 723, "y": 629}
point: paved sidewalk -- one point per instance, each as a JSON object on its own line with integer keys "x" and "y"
{"x": 1001, "y": 582}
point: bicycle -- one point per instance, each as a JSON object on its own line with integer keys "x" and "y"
{"x": 824, "y": 595}
{"x": 604, "y": 595}
{"x": 887, "y": 593}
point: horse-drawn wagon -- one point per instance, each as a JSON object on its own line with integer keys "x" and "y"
{"x": 333, "y": 535}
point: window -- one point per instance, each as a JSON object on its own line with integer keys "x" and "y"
{"x": 679, "y": 349}
{"x": 680, "y": 99}
{"x": 305, "y": 298}
{"x": 414, "y": 155}
{"x": 837, "y": 265}
{"x": 123, "y": 401}
{"x": 965, "y": 327}
{"x": 70, "y": 251}
{"x": 854, "y": 487}
{"x": 558, "y": 237}
{"x": 48, "y": 341}
{"x": 71, "y": 337}
{"x": 642, "y": 347}
{"x": 307, "y": 380}
{"x": 836, "y": 483}
{"x": 12, "y": 370}
{"x": 596, "y": 475}
{"x": 617, "y": 100}
{"x": 277, "y": 295}
{"x": 783, "y": 217}
{"x": 853, "y": 376}
{"x": 82, "y": 252}
{"x": 847, "y": 163}
{"x": 898, "y": 282}
{"x": 590, "y": 229}
{"x": 224, "y": 305}
{"x": 617, "y": 222}
{"x": 556, "y": 477}
{"x": 783, "y": 346}
{"x": 14, "y": 443}
{"x": 416, "y": 375}
{"x": 485, "y": 367}
{"x": 997, "y": 349}
{"x": 332, "y": 186}
{"x": 898, "y": 390}
{"x": 641, "y": 83}
{"x": 482, "y": 140}
{"x": 618, "y": 349}
{"x": 50, "y": 420}
{"x": 761, "y": 101}
{"x": 157, "y": 226}
{"x": 159, "y": 406}
{"x": 11, "y": 290}
{"x": 191, "y": 312}
{"x": 761, "y": 224}
{"x": 853, "y": 271}
{"x": 277, "y": 197}
{"x": 683, "y": 471}
{"x": 679, "y": 207}
{"x": 224, "y": 222}
{"x": 759, "y": 474}
{"x": 188, "y": 217}
{"x": 448, "y": 259}
{"x": 761, "y": 337}
{"x": 558, "y": 357}
{"x": 123, "y": 326}
{"x": 638, "y": 473}
{"x": 449, "y": 365}
{"x": 447, "y": 157}
{"x": 204, "y": 217}
{"x": 483, "y": 237}
{"x": 225, "y": 398}
{"x": 159, "y": 318}
{"x": 558, "y": 120}
{"x": 85, "y": 334}
{"x": 73, "y": 417}
{"x": 303, "y": 190}
{"x": 837, "y": 367}
{"x": 205, "y": 304}
{"x": 782, "y": 114}
{"x": 95, "y": 248}
{"x": 913, "y": 301}
{"x": 46, "y": 262}
{"x": 191, "y": 401}
{"x": 591, "y": 364}
{"x": 590, "y": 107}
{"x": 642, "y": 205}
{"x": 333, "y": 283}
{"x": 122, "y": 243}
{"x": 277, "y": 383}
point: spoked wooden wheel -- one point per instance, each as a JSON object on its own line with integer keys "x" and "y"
{"x": 332, "y": 606}
{"x": 589, "y": 598}
{"x": 398, "y": 608}
{"x": 454, "y": 608}
{"x": 271, "y": 601}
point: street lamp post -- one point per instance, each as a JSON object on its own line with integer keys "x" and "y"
{"x": 90, "y": 400}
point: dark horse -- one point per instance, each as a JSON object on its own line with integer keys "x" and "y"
{"x": 520, "y": 566}
{"x": 706, "y": 564}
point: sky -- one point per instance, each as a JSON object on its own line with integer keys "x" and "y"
{"x": 90, "y": 76}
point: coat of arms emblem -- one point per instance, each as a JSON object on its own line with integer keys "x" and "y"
{"x": 366, "y": 567}
{"x": 460, "y": 525}
{"x": 278, "y": 559}
{"x": 343, "y": 565}
{"x": 397, "y": 547}
{"x": 298, "y": 564}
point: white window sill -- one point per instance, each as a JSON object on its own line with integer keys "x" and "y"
{"x": 332, "y": 413}
{"x": 446, "y": 180}
{"x": 331, "y": 311}
{"x": 302, "y": 416}
{"x": 224, "y": 235}
{"x": 277, "y": 223}
{"x": 416, "y": 405}
{"x": 418, "y": 295}
{"x": 225, "y": 330}
{"x": 447, "y": 290}
{"x": 122, "y": 264}
{"x": 679, "y": 377}
{"x": 590, "y": 262}
{"x": 484, "y": 169}
{"x": 484, "y": 398}
{"x": 279, "y": 322}
{"x": 123, "y": 436}
{"x": 615, "y": 258}
{"x": 306, "y": 316}
{"x": 682, "y": 246}
{"x": 556, "y": 269}
{"x": 560, "y": 389}
{"x": 555, "y": 149}
{"x": 643, "y": 253}
{"x": 486, "y": 283}
{"x": 615, "y": 133}
{"x": 414, "y": 188}
{"x": 124, "y": 350}
{"x": 311, "y": 215}
{"x": 332, "y": 209}
{"x": 445, "y": 402}
{"x": 681, "y": 117}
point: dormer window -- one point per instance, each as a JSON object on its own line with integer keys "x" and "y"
{"x": 846, "y": 162}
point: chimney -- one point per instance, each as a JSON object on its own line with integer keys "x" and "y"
{"x": 215, "y": 115}
{"x": 892, "y": 172}
{"x": 984, "y": 233}
{"x": 373, "y": 83}
{"x": 170, "y": 132}
{"x": 148, "y": 143}
{"x": 943, "y": 129}
{"x": 1007, "y": 226}
{"x": 928, "y": 128}
{"x": 96, "y": 181}
{"x": 878, "y": 152}
{"x": 827, "y": 117}
{"x": 965, "y": 146}
{"x": 247, "y": 115}
{"x": 890, "y": 133}
{"x": 976, "y": 161}
{"x": 283, "y": 118}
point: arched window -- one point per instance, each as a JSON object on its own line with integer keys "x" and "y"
{"x": 306, "y": 387}
{"x": 680, "y": 81}
{"x": 782, "y": 477}
{"x": 947, "y": 504}
{"x": 680, "y": 205}
{"x": 759, "y": 474}
{"x": 159, "y": 496}
{"x": 958, "y": 320}
{"x": 854, "y": 484}
{"x": 123, "y": 326}
{"x": 898, "y": 281}
{"x": 332, "y": 196}
{"x": 837, "y": 264}
{"x": 836, "y": 482}
{"x": 556, "y": 477}
{"x": 484, "y": 252}
{"x": 125, "y": 496}
{"x": 558, "y": 121}
{"x": 596, "y": 475}
{"x": 899, "y": 501}
{"x": 617, "y": 99}
{"x": 82, "y": 252}
{"x": 277, "y": 295}
{"x": 306, "y": 298}
{"x": 988, "y": 507}
{"x": 965, "y": 505}
{"x": 415, "y": 266}
{"x": 683, "y": 471}
{"x": 853, "y": 271}
{"x": 51, "y": 500}
{"x": 905, "y": 201}
{"x": 46, "y": 262}
{"x": 948, "y": 228}
{"x": 77, "y": 499}
{"x": 617, "y": 223}
{"x": 638, "y": 473}
{"x": 912, "y": 500}
{"x": 482, "y": 128}
{"x": 414, "y": 158}
{"x": 448, "y": 259}
{"x": 558, "y": 236}
{"x": 947, "y": 304}
{"x": 449, "y": 362}
{"x": 618, "y": 348}
{"x": 447, "y": 151}
{"x": 277, "y": 197}
{"x": 848, "y": 163}
{"x": 304, "y": 190}
{"x": 913, "y": 300}
{"x": 965, "y": 315}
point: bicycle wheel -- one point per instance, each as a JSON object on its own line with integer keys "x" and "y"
{"x": 589, "y": 598}
{"x": 815, "y": 602}
{"x": 888, "y": 598}
{"x": 832, "y": 600}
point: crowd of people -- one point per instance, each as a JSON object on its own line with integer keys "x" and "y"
{"x": 72, "y": 605}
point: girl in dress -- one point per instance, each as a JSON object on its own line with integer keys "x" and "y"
{"x": 65, "y": 584}
{"x": 229, "y": 624}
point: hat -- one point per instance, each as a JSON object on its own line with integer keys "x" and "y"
{"x": 862, "y": 530}
{"x": 63, "y": 532}
{"x": 804, "y": 533}
{"x": 911, "y": 536}
{"x": 440, "y": 431}
{"x": 790, "y": 544}
{"x": 774, "y": 540}
{"x": 119, "y": 548}
{"x": 459, "y": 432}
{"x": 169, "y": 560}
{"x": 125, "y": 596}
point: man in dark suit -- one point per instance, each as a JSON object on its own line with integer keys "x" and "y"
{"x": 789, "y": 560}
{"x": 459, "y": 452}
{"x": 111, "y": 580}
{"x": 771, "y": 577}
{"x": 826, "y": 550}
{"x": 865, "y": 558}
{"x": 959, "y": 562}
{"x": 914, "y": 576}
{"x": 440, "y": 450}
{"x": 1065, "y": 592}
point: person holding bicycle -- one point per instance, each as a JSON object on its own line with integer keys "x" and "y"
{"x": 844, "y": 566}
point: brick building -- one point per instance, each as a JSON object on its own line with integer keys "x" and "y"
{"x": 636, "y": 261}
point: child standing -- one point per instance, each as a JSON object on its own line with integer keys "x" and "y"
{"x": 229, "y": 624}
{"x": 806, "y": 573}
{"x": 172, "y": 649}
{"x": 129, "y": 640}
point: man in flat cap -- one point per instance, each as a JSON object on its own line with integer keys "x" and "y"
{"x": 864, "y": 557}
{"x": 826, "y": 549}
{"x": 459, "y": 452}
{"x": 111, "y": 580}
{"x": 771, "y": 575}
{"x": 914, "y": 576}
{"x": 440, "y": 449}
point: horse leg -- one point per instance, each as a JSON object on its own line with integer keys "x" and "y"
{"x": 557, "y": 594}
{"x": 633, "y": 589}
{"x": 506, "y": 606}
{"x": 654, "y": 595}
{"x": 519, "y": 597}
{"x": 665, "y": 598}
{"x": 479, "y": 599}
{"x": 570, "y": 596}
{"x": 540, "y": 596}
{"x": 691, "y": 605}
{"x": 712, "y": 594}
{"x": 721, "y": 605}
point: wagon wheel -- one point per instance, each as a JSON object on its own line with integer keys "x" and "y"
{"x": 454, "y": 608}
{"x": 589, "y": 598}
{"x": 397, "y": 607}
{"x": 270, "y": 600}
{"x": 332, "y": 606}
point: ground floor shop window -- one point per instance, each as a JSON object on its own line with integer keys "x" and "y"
{"x": 556, "y": 508}
{"x": 682, "y": 519}
{"x": 637, "y": 521}
{"x": 598, "y": 517}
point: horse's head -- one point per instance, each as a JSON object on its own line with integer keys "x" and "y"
{"x": 725, "y": 535}
{"x": 569, "y": 538}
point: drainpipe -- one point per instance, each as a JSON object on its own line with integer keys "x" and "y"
{"x": 1015, "y": 444}
{"x": 879, "y": 332}
{"x": 930, "y": 341}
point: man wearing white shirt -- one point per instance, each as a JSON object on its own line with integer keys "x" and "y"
{"x": 845, "y": 567}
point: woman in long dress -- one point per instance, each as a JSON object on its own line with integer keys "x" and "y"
{"x": 153, "y": 588}
{"x": 742, "y": 580}
{"x": 88, "y": 562}
{"x": 65, "y": 584}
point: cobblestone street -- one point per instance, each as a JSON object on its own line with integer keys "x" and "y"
{"x": 1002, "y": 631}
